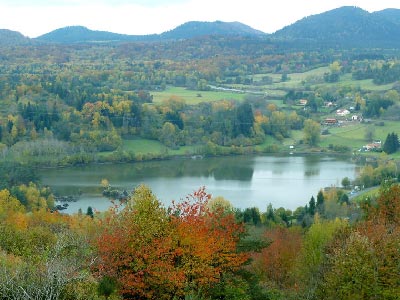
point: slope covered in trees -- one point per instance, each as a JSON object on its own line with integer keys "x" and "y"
{"x": 200, "y": 248}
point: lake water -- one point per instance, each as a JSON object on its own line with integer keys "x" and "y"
{"x": 246, "y": 181}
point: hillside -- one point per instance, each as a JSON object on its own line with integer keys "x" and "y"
{"x": 80, "y": 34}
{"x": 194, "y": 29}
{"x": 390, "y": 14}
{"x": 9, "y": 37}
{"x": 346, "y": 27}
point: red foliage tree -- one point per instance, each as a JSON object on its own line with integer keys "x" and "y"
{"x": 276, "y": 263}
{"x": 156, "y": 253}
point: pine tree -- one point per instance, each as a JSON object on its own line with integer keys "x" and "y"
{"x": 89, "y": 212}
{"x": 391, "y": 144}
{"x": 311, "y": 208}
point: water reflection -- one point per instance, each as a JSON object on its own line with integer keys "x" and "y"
{"x": 245, "y": 181}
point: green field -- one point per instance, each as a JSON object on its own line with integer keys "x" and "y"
{"x": 195, "y": 97}
{"x": 314, "y": 78}
{"x": 353, "y": 134}
{"x": 145, "y": 146}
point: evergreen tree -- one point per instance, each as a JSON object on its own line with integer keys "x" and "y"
{"x": 320, "y": 202}
{"x": 311, "y": 208}
{"x": 89, "y": 212}
{"x": 391, "y": 144}
{"x": 320, "y": 198}
{"x": 244, "y": 119}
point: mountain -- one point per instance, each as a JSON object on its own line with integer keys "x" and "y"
{"x": 80, "y": 34}
{"x": 390, "y": 14}
{"x": 346, "y": 26}
{"x": 194, "y": 29}
{"x": 9, "y": 37}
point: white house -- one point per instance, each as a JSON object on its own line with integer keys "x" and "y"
{"x": 342, "y": 112}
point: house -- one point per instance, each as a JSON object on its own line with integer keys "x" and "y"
{"x": 374, "y": 146}
{"x": 303, "y": 102}
{"x": 342, "y": 112}
{"x": 331, "y": 121}
{"x": 329, "y": 104}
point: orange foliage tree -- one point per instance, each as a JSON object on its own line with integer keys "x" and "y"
{"x": 155, "y": 253}
{"x": 275, "y": 264}
{"x": 206, "y": 240}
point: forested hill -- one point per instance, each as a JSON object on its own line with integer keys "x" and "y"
{"x": 346, "y": 27}
{"x": 193, "y": 29}
{"x": 9, "y": 37}
{"x": 79, "y": 34}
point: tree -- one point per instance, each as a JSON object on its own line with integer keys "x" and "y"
{"x": 320, "y": 201}
{"x": 135, "y": 248}
{"x": 344, "y": 198}
{"x": 391, "y": 144}
{"x": 352, "y": 272}
{"x": 362, "y": 263}
{"x": 89, "y": 212}
{"x": 312, "y": 253}
{"x": 312, "y": 132}
{"x": 276, "y": 263}
{"x": 346, "y": 182}
{"x": 369, "y": 133}
{"x": 168, "y": 135}
{"x": 155, "y": 253}
{"x": 244, "y": 119}
{"x": 311, "y": 207}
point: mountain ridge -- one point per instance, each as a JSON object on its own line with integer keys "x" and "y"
{"x": 347, "y": 26}
{"x": 191, "y": 29}
{"x": 10, "y": 37}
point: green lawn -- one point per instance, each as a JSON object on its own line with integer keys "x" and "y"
{"x": 143, "y": 146}
{"x": 352, "y": 135}
{"x": 195, "y": 97}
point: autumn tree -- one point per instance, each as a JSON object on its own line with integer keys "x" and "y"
{"x": 363, "y": 262}
{"x": 155, "y": 253}
{"x": 208, "y": 241}
{"x": 276, "y": 263}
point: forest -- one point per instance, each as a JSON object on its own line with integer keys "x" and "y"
{"x": 63, "y": 105}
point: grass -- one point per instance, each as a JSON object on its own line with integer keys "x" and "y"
{"x": 277, "y": 89}
{"x": 143, "y": 146}
{"x": 314, "y": 78}
{"x": 370, "y": 193}
{"x": 366, "y": 85}
{"x": 352, "y": 135}
{"x": 192, "y": 97}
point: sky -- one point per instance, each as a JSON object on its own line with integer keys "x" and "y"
{"x": 33, "y": 18}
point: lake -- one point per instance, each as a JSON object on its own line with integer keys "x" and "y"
{"x": 246, "y": 181}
